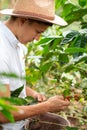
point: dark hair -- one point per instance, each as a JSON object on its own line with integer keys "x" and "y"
{"x": 13, "y": 18}
{"x": 40, "y": 22}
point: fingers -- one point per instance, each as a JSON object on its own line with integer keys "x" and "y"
{"x": 41, "y": 98}
{"x": 66, "y": 102}
{"x": 61, "y": 97}
{"x": 63, "y": 108}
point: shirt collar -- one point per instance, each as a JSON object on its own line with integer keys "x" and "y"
{"x": 10, "y": 36}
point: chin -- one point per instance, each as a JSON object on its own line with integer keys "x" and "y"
{"x": 25, "y": 42}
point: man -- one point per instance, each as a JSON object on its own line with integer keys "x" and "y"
{"x": 28, "y": 20}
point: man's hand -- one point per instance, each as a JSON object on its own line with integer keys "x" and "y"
{"x": 57, "y": 103}
{"x": 30, "y": 92}
{"x": 40, "y": 97}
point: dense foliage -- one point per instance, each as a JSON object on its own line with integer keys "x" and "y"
{"x": 57, "y": 63}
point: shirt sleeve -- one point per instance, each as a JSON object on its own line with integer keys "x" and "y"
{"x": 4, "y": 70}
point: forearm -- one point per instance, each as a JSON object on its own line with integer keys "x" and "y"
{"x": 26, "y": 112}
{"x": 53, "y": 104}
{"x": 30, "y": 92}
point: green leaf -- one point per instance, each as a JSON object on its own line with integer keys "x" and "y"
{"x": 45, "y": 67}
{"x": 71, "y": 128}
{"x": 8, "y": 115}
{"x": 75, "y": 50}
{"x": 10, "y": 75}
{"x": 6, "y": 106}
{"x": 45, "y": 41}
{"x": 82, "y": 2}
{"x": 68, "y": 12}
{"x": 58, "y": 3}
{"x": 80, "y": 59}
{"x": 56, "y": 42}
{"x": 66, "y": 92}
{"x": 69, "y": 68}
{"x": 63, "y": 58}
{"x": 69, "y": 37}
{"x": 72, "y": 12}
{"x": 30, "y": 100}
{"x": 6, "y": 109}
{"x": 15, "y": 100}
{"x": 85, "y": 107}
{"x": 17, "y": 92}
{"x": 46, "y": 49}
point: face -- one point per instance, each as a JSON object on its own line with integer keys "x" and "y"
{"x": 30, "y": 31}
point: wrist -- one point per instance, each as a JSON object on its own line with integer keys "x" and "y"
{"x": 41, "y": 107}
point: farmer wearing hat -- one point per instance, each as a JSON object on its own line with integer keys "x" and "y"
{"x": 29, "y": 18}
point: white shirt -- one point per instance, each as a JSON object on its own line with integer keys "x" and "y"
{"x": 12, "y": 61}
{"x": 11, "y": 58}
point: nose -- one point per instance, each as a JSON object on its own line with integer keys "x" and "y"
{"x": 37, "y": 37}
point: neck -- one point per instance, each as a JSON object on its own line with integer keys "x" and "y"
{"x": 11, "y": 25}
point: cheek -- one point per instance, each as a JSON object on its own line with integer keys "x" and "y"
{"x": 29, "y": 36}
{"x": 24, "y": 37}
{"x": 32, "y": 35}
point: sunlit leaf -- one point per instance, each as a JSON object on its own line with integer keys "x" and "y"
{"x": 75, "y": 50}
{"x": 8, "y": 115}
{"x": 16, "y": 100}
{"x": 70, "y": 36}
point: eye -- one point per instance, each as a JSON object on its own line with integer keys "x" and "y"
{"x": 39, "y": 32}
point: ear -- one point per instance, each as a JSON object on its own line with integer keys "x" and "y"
{"x": 22, "y": 20}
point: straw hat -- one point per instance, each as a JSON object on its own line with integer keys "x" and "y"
{"x": 42, "y": 10}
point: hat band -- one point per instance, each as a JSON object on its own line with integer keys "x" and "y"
{"x": 33, "y": 15}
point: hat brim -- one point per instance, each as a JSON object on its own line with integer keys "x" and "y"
{"x": 57, "y": 20}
